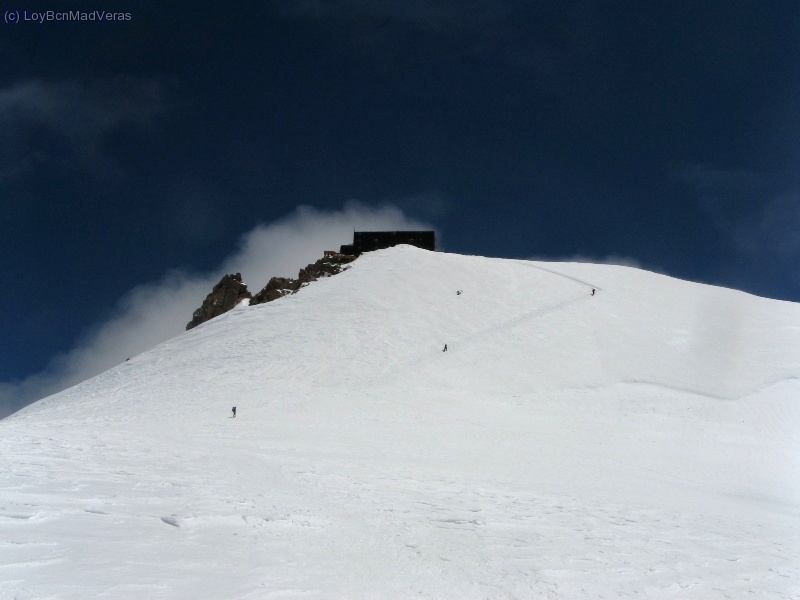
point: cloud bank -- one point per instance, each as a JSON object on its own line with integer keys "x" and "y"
{"x": 152, "y": 313}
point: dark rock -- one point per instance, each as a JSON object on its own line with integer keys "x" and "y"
{"x": 276, "y": 288}
{"x": 281, "y": 286}
{"x": 229, "y": 292}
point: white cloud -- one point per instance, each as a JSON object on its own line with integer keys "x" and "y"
{"x": 152, "y": 313}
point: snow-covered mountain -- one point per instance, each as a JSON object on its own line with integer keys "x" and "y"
{"x": 642, "y": 441}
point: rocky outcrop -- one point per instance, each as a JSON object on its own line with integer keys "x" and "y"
{"x": 229, "y": 292}
{"x": 281, "y": 286}
{"x": 325, "y": 267}
{"x": 276, "y": 288}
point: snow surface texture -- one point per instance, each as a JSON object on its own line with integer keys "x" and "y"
{"x": 644, "y": 441}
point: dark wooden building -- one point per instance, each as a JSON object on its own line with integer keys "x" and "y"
{"x": 367, "y": 241}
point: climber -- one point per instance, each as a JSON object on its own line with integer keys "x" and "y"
{"x": 234, "y": 412}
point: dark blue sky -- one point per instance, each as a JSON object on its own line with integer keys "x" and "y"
{"x": 662, "y": 133}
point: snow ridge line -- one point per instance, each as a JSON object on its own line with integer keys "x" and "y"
{"x": 504, "y": 325}
{"x": 545, "y": 269}
{"x": 519, "y": 320}
{"x": 470, "y": 339}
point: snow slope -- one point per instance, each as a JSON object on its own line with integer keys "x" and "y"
{"x": 644, "y": 441}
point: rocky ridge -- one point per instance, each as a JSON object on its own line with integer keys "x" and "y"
{"x": 231, "y": 291}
